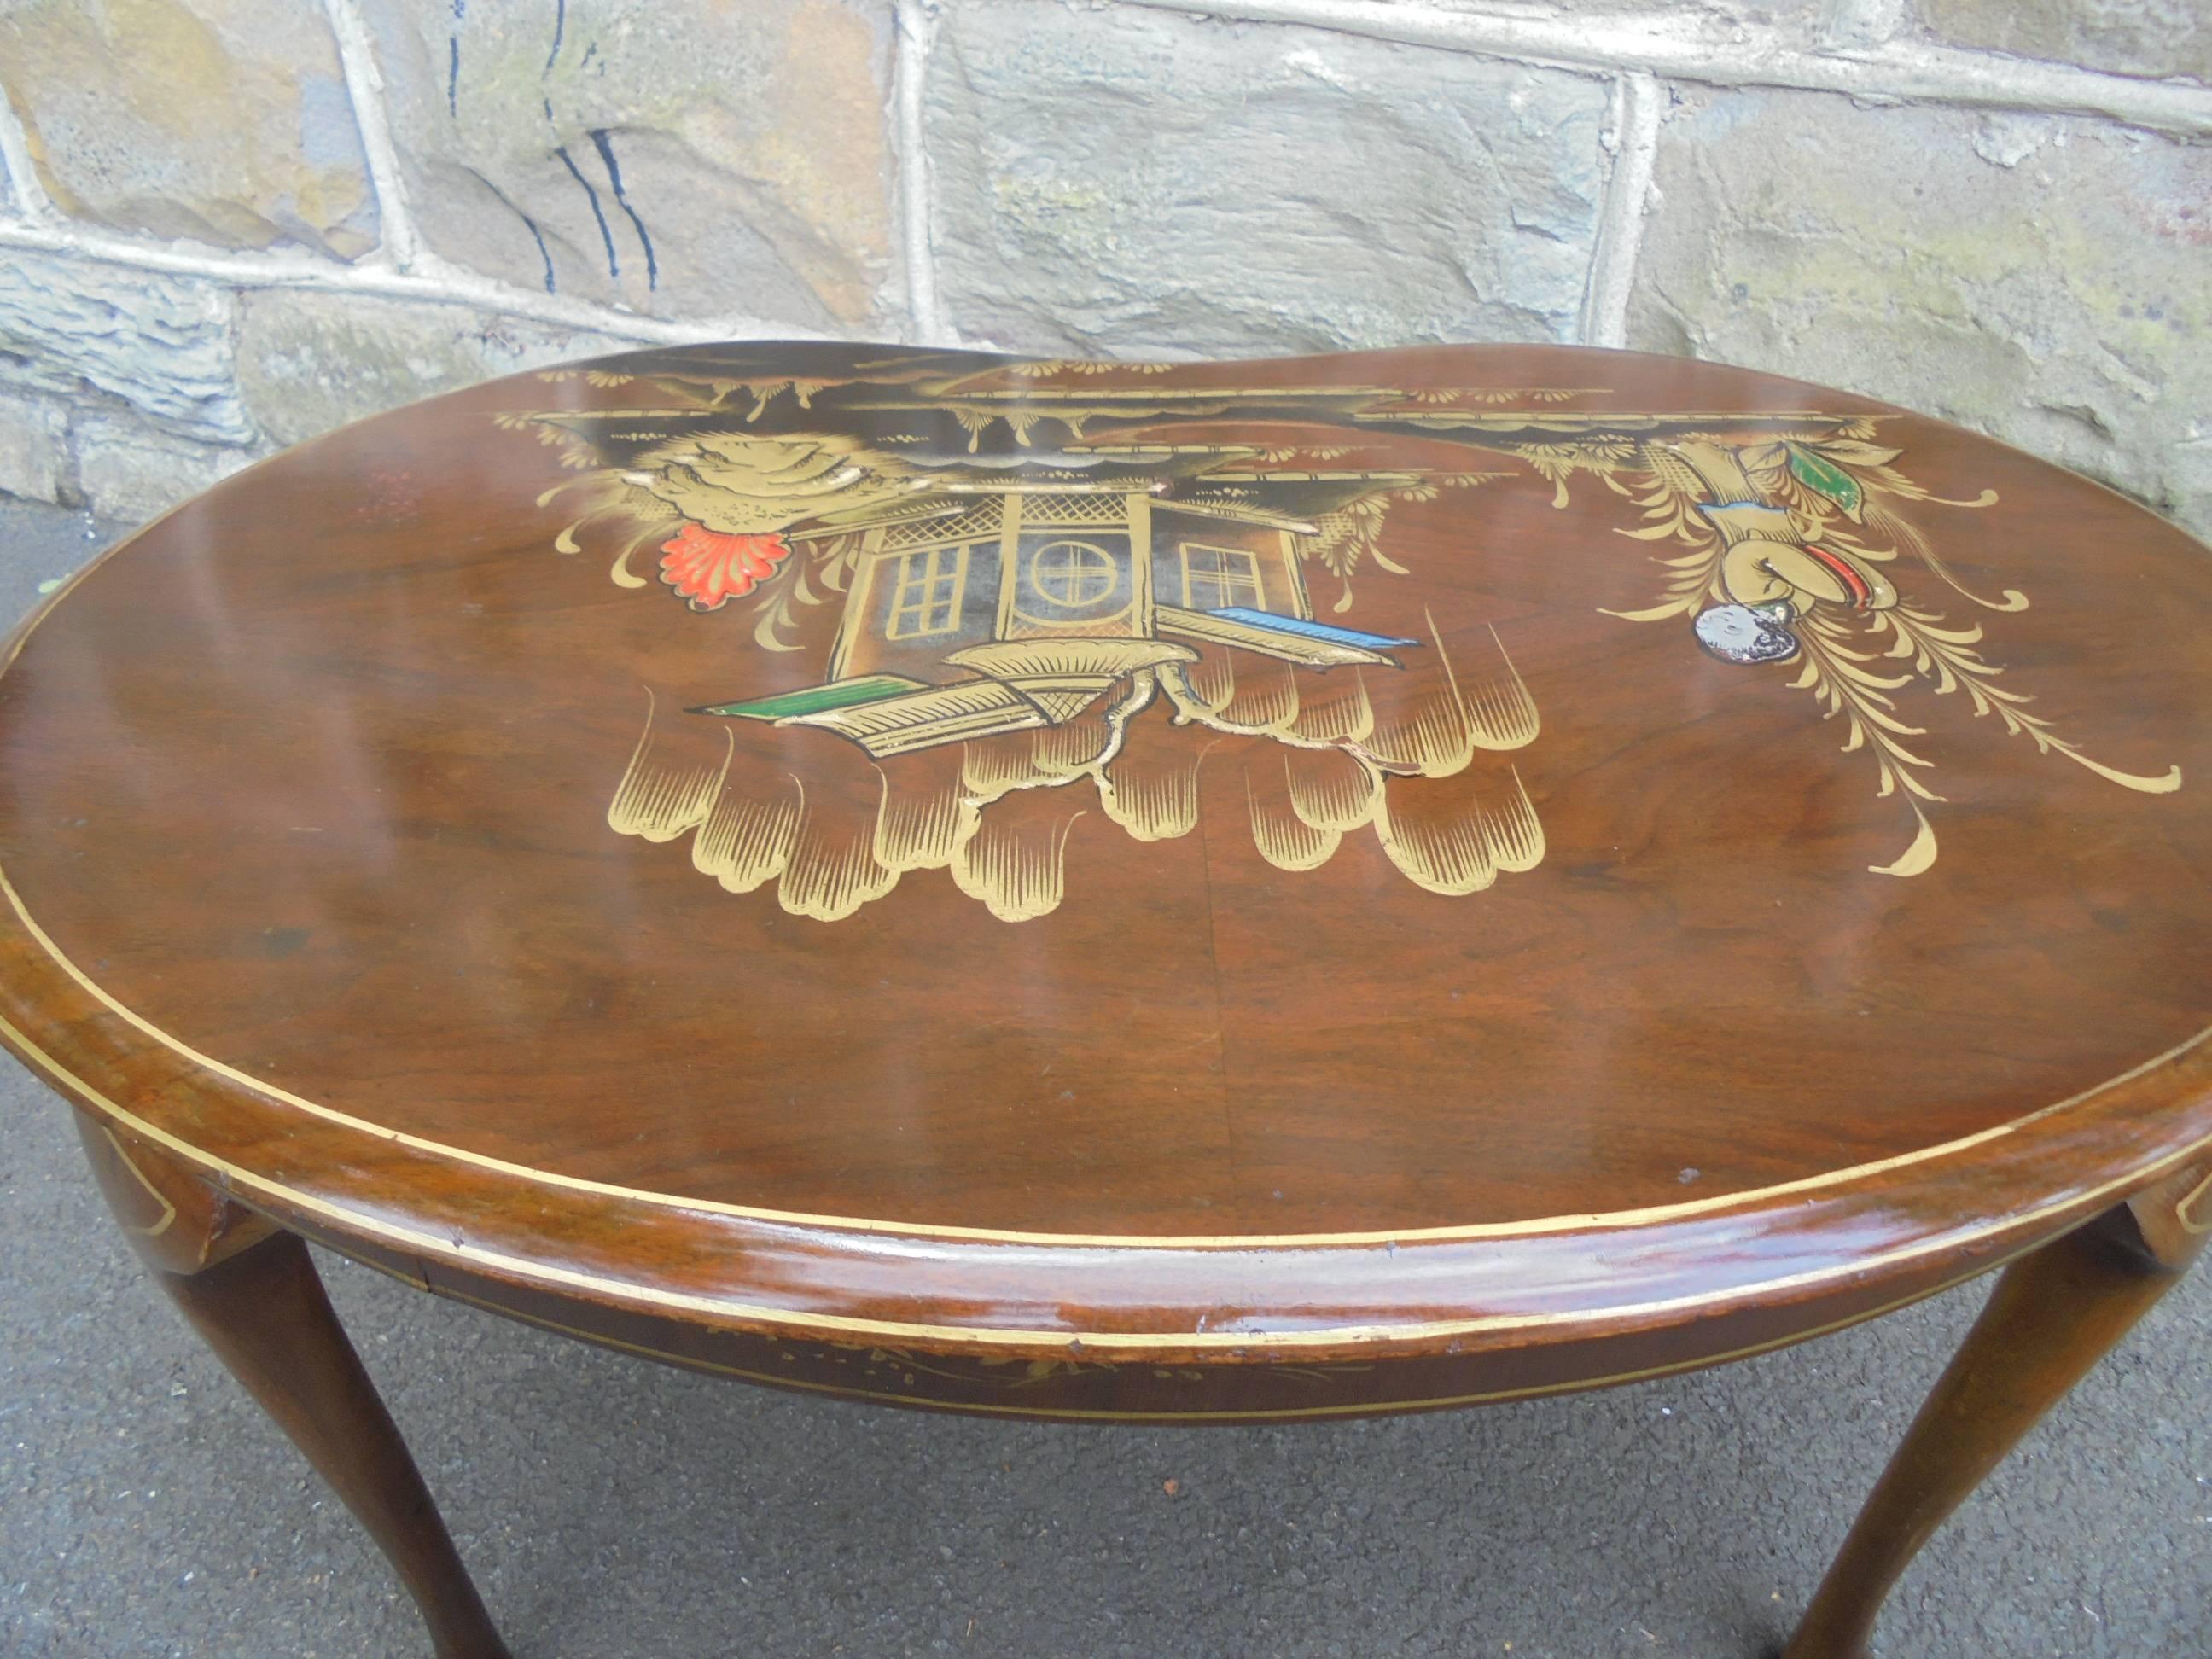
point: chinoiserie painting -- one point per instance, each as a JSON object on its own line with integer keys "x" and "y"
{"x": 1005, "y": 594}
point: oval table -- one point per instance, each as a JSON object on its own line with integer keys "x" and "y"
{"x": 1196, "y": 893}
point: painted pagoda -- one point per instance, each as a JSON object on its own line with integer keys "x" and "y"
{"x": 1013, "y": 605}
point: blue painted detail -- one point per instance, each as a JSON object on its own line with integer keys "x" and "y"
{"x": 1309, "y": 630}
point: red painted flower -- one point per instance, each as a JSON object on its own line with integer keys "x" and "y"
{"x": 709, "y": 566}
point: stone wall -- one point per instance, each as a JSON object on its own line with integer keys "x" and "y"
{"x": 230, "y": 224}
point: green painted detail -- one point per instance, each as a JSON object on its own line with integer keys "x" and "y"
{"x": 814, "y": 699}
{"x": 1816, "y": 473}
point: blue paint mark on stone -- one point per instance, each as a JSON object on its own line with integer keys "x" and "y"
{"x": 606, "y": 236}
{"x": 604, "y": 141}
{"x": 528, "y": 224}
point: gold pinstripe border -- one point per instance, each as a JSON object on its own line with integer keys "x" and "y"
{"x": 1574, "y": 1222}
{"x": 2186, "y": 1209}
{"x": 569, "y": 1280}
{"x": 1272, "y": 1413}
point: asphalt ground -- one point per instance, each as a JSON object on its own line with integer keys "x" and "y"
{"x": 610, "y": 1507}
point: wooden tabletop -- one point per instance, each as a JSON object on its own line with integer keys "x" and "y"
{"x": 1398, "y": 849}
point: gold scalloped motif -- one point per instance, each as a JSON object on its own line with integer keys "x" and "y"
{"x": 1332, "y": 788}
{"x": 746, "y": 841}
{"x": 1016, "y": 864}
{"x": 920, "y": 826}
{"x": 1338, "y": 710}
{"x": 656, "y": 802}
{"x": 1285, "y": 840}
{"x": 1153, "y": 796}
{"x": 975, "y": 810}
{"x": 832, "y": 870}
{"x": 1441, "y": 836}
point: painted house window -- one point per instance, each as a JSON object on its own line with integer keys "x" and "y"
{"x": 928, "y": 598}
{"x": 1074, "y": 573}
{"x": 1216, "y": 578}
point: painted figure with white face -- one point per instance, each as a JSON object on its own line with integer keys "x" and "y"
{"x": 1772, "y": 577}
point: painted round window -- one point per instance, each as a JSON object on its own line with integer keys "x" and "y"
{"x": 1071, "y": 572}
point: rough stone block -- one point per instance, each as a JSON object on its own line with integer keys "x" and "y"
{"x": 34, "y": 458}
{"x": 2151, "y": 37}
{"x": 308, "y": 361}
{"x": 681, "y": 157}
{"x": 130, "y": 471}
{"x": 2048, "y": 280}
{"x": 225, "y": 121}
{"x": 160, "y": 343}
{"x": 1144, "y": 182}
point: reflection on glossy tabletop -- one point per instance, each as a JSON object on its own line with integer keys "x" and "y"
{"x": 1211, "y": 892}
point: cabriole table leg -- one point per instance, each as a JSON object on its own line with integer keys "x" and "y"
{"x": 252, "y": 1291}
{"x": 2053, "y": 1314}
